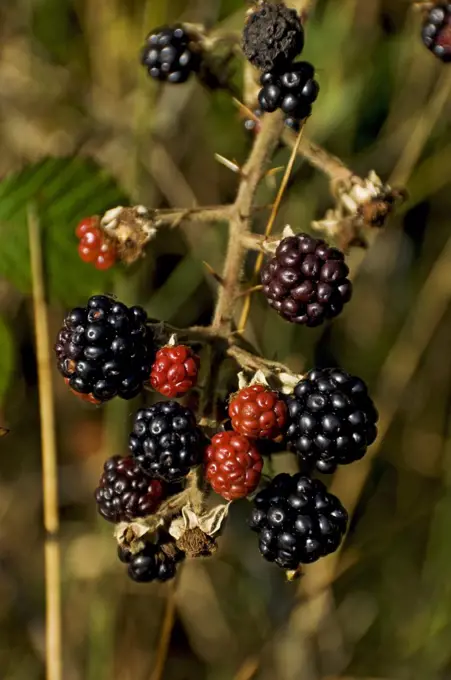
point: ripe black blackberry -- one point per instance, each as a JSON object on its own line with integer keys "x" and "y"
{"x": 171, "y": 53}
{"x": 105, "y": 349}
{"x": 126, "y": 492}
{"x": 166, "y": 441}
{"x": 273, "y": 36}
{"x": 331, "y": 419}
{"x": 436, "y": 33}
{"x": 293, "y": 90}
{"x": 305, "y": 282}
{"x": 297, "y": 521}
{"x": 155, "y": 562}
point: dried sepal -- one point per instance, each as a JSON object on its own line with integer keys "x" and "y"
{"x": 130, "y": 229}
{"x": 195, "y": 533}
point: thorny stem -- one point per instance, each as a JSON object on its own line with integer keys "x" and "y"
{"x": 240, "y": 223}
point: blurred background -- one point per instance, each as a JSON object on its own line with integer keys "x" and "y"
{"x": 72, "y": 87}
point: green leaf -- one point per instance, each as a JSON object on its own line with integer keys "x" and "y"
{"x": 6, "y": 360}
{"x": 64, "y": 191}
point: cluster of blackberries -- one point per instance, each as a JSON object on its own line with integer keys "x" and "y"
{"x": 436, "y": 33}
{"x": 272, "y": 38}
{"x": 171, "y": 54}
{"x": 107, "y": 349}
{"x": 306, "y": 281}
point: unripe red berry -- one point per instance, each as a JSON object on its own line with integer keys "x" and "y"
{"x": 233, "y": 465}
{"x": 86, "y": 224}
{"x": 174, "y": 371}
{"x": 258, "y": 413}
{"x": 106, "y": 257}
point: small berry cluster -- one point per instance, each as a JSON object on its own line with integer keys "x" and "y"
{"x": 93, "y": 245}
{"x": 436, "y": 32}
{"x": 171, "y": 54}
{"x": 273, "y": 38}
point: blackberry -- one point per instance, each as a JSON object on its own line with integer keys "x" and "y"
{"x": 105, "y": 349}
{"x": 331, "y": 419}
{"x": 171, "y": 54}
{"x": 154, "y": 563}
{"x": 273, "y": 36}
{"x": 436, "y": 33}
{"x": 125, "y": 491}
{"x": 166, "y": 441}
{"x": 293, "y": 91}
{"x": 297, "y": 520}
{"x": 306, "y": 280}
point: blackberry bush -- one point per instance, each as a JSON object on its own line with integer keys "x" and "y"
{"x": 306, "y": 282}
{"x": 105, "y": 349}
{"x": 126, "y": 492}
{"x": 171, "y": 53}
{"x": 166, "y": 441}
{"x": 331, "y": 419}
{"x": 436, "y": 33}
{"x": 273, "y": 36}
{"x": 297, "y": 520}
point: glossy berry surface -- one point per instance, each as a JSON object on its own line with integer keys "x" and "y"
{"x": 171, "y": 54}
{"x": 258, "y": 412}
{"x": 273, "y": 36}
{"x": 331, "y": 419}
{"x": 174, "y": 371}
{"x": 166, "y": 441}
{"x": 297, "y": 520}
{"x": 436, "y": 33}
{"x": 126, "y": 492}
{"x": 151, "y": 564}
{"x": 94, "y": 247}
{"x": 306, "y": 281}
{"x": 292, "y": 91}
{"x": 233, "y": 465}
{"x": 105, "y": 349}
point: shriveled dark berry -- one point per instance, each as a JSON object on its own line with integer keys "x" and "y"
{"x": 101, "y": 357}
{"x": 153, "y": 563}
{"x": 273, "y": 36}
{"x": 126, "y": 492}
{"x": 171, "y": 54}
{"x": 297, "y": 520}
{"x": 306, "y": 281}
{"x": 436, "y": 32}
{"x": 331, "y": 419}
{"x": 166, "y": 441}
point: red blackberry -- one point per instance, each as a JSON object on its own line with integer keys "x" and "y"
{"x": 297, "y": 521}
{"x": 306, "y": 280}
{"x": 94, "y": 247}
{"x": 293, "y": 91}
{"x": 126, "y": 492}
{"x": 436, "y": 33}
{"x": 174, "y": 371}
{"x": 171, "y": 54}
{"x": 105, "y": 349}
{"x": 331, "y": 419}
{"x": 273, "y": 36}
{"x": 154, "y": 563}
{"x": 258, "y": 413}
{"x": 233, "y": 465}
{"x": 166, "y": 441}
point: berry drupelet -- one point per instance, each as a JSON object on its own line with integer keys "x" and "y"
{"x": 297, "y": 520}
{"x": 105, "y": 349}
{"x": 233, "y": 465}
{"x": 174, "y": 371}
{"x": 93, "y": 246}
{"x": 126, "y": 492}
{"x": 306, "y": 281}
{"x": 436, "y": 33}
{"x": 153, "y": 563}
{"x": 166, "y": 441}
{"x": 171, "y": 54}
{"x": 293, "y": 91}
{"x": 273, "y": 36}
{"x": 258, "y": 412}
{"x": 331, "y": 419}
